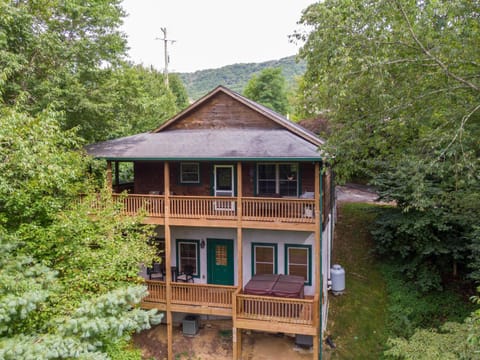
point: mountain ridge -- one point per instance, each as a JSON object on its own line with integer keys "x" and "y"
{"x": 236, "y": 76}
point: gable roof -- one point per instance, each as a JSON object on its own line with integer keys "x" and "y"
{"x": 283, "y": 141}
{"x": 270, "y": 114}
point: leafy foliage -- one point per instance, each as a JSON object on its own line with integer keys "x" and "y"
{"x": 268, "y": 88}
{"x": 25, "y": 287}
{"x": 39, "y": 174}
{"x": 399, "y": 82}
{"x": 57, "y": 252}
{"x": 453, "y": 340}
{"x": 70, "y": 58}
{"x": 449, "y": 342}
{"x": 236, "y": 76}
{"x": 410, "y": 308}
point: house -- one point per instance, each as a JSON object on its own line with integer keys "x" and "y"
{"x": 238, "y": 193}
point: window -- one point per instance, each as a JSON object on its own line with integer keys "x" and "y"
{"x": 190, "y": 173}
{"x": 298, "y": 261}
{"x": 277, "y": 179}
{"x": 264, "y": 258}
{"x": 188, "y": 254}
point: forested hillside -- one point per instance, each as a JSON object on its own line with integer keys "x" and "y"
{"x": 236, "y": 76}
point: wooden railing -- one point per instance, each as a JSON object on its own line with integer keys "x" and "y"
{"x": 157, "y": 292}
{"x": 220, "y": 208}
{"x": 273, "y": 209}
{"x": 206, "y": 207}
{"x": 152, "y": 205}
{"x": 285, "y": 310}
{"x": 203, "y": 294}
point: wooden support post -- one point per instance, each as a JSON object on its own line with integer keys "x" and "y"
{"x": 169, "y": 335}
{"x": 318, "y": 262}
{"x": 237, "y": 343}
{"x": 237, "y": 333}
{"x": 168, "y": 260}
{"x": 318, "y": 231}
{"x": 239, "y": 226}
{"x": 109, "y": 175}
{"x": 117, "y": 174}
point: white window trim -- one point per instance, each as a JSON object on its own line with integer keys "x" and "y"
{"x": 197, "y": 173}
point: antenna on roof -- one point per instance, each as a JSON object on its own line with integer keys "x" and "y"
{"x": 167, "y": 58}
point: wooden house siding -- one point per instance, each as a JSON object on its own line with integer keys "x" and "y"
{"x": 148, "y": 177}
{"x": 221, "y": 112}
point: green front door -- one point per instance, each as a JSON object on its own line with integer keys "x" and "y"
{"x": 220, "y": 261}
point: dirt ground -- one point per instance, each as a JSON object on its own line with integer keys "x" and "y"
{"x": 214, "y": 341}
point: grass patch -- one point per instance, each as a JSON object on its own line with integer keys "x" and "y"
{"x": 357, "y": 320}
{"x": 379, "y": 303}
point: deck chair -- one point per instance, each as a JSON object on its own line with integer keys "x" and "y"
{"x": 156, "y": 272}
{"x": 186, "y": 275}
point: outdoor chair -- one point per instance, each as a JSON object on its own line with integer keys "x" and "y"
{"x": 157, "y": 272}
{"x": 186, "y": 275}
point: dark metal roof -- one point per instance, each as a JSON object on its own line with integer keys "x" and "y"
{"x": 233, "y": 144}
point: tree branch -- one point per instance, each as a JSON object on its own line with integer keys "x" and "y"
{"x": 430, "y": 55}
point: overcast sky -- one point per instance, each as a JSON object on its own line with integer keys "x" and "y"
{"x": 211, "y": 33}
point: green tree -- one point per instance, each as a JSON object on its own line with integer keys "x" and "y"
{"x": 399, "y": 82}
{"x": 268, "y": 88}
{"x": 85, "y": 252}
{"x": 178, "y": 89}
{"x": 48, "y": 45}
{"x": 25, "y": 288}
{"x": 127, "y": 100}
{"x": 70, "y": 57}
{"x": 452, "y": 341}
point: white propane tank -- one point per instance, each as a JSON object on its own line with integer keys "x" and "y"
{"x": 338, "y": 279}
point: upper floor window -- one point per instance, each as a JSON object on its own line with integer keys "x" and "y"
{"x": 190, "y": 173}
{"x": 279, "y": 179}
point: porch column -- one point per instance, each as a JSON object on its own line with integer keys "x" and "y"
{"x": 318, "y": 230}
{"x": 239, "y": 225}
{"x": 318, "y": 262}
{"x": 237, "y": 333}
{"x": 168, "y": 262}
{"x": 109, "y": 175}
{"x": 237, "y": 343}
{"x": 117, "y": 175}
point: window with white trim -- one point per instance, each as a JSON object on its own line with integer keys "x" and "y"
{"x": 188, "y": 254}
{"x": 189, "y": 173}
{"x": 279, "y": 179}
{"x": 298, "y": 261}
{"x": 264, "y": 258}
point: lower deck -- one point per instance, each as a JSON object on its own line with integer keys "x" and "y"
{"x": 251, "y": 312}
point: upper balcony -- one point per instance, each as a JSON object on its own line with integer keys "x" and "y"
{"x": 216, "y": 211}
